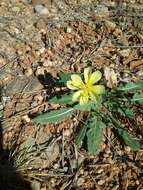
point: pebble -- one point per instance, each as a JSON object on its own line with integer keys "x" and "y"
{"x": 48, "y": 63}
{"x": 125, "y": 52}
{"x": 28, "y": 72}
{"x": 41, "y": 9}
{"x": 101, "y": 182}
{"x": 26, "y": 118}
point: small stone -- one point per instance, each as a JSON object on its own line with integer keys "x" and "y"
{"x": 101, "y": 182}
{"x": 69, "y": 30}
{"x": 48, "y": 63}
{"x": 41, "y": 9}
{"x": 125, "y": 52}
{"x": 40, "y": 71}
{"x": 100, "y": 171}
{"x": 26, "y": 118}
{"x": 41, "y": 50}
{"x": 38, "y": 98}
{"x": 28, "y": 71}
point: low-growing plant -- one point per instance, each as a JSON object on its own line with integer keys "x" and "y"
{"x": 102, "y": 105}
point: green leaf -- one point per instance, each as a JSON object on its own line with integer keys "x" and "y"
{"x": 126, "y": 112}
{"x": 88, "y": 106}
{"x": 129, "y": 113}
{"x": 63, "y": 99}
{"x": 64, "y": 77}
{"x": 53, "y": 116}
{"x": 128, "y": 139}
{"x": 83, "y": 130}
{"x": 137, "y": 98}
{"x": 94, "y": 138}
{"x": 84, "y": 107}
{"x": 81, "y": 136}
{"x": 94, "y": 134}
{"x": 132, "y": 86}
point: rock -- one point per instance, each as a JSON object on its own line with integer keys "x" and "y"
{"x": 125, "y": 52}
{"x": 23, "y": 84}
{"x": 41, "y": 9}
{"x": 28, "y": 71}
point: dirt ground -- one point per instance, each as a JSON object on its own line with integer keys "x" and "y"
{"x": 38, "y": 39}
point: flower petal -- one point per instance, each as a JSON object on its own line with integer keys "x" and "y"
{"x": 83, "y": 100}
{"x": 87, "y": 74}
{"x": 95, "y": 77}
{"x": 76, "y": 96}
{"x": 77, "y": 81}
{"x": 71, "y": 86}
{"x": 98, "y": 89}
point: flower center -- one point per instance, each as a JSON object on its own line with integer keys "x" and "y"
{"x": 87, "y": 89}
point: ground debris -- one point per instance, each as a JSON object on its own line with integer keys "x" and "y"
{"x": 41, "y": 38}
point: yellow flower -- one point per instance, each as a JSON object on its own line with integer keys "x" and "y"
{"x": 86, "y": 90}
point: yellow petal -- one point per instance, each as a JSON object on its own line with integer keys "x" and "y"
{"x": 71, "y": 86}
{"x": 83, "y": 100}
{"x": 77, "y": 81}
{"x": 95, "y": 77}
{"x": 76, "y": 96}
{"x": 87, "y": 74}
{"x": 98, "y": 89}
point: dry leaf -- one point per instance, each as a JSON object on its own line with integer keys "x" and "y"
{"x": 111, "y": 77}
{"x": 136, "y": 63}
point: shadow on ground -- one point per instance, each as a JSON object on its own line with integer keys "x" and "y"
{"x": 9, "y": 178}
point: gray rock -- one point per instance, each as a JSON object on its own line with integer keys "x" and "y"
{"x": 23, "y": 84}
{"x": 41, "y": 9}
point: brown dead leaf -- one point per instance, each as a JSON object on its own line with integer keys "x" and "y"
{"x": 111, "y": 77}
{"x": 136, "y": 63}
{"x": 37, "y": 2}
{"x": 100, "y": 61}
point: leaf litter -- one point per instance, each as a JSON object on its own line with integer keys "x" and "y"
{"x": 105, "y": 35}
